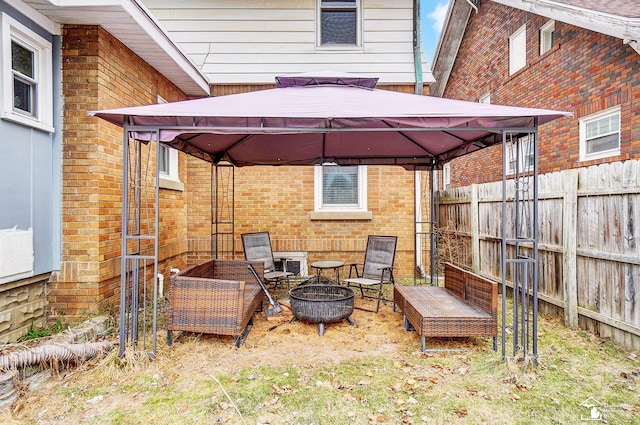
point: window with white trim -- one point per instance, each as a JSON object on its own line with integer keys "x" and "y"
{"x": 547, "y": 36}
{"x": 520, "y": 153}
{"x": 168, "y": 164}
{"x": 338, "y": 22}
{"x": 600, "y": 134}
{"x": 340, "y": 188}
{"x": 518, "y": 50}
{"x": 27, "y": 76}
{"x": 446, "y": 176}
{"x": 485, "y": 98}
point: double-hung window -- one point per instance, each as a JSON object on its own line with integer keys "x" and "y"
{"x": 520, "y": 155}
{"x": 27, "y": 76}
{"x": 338, "y": 22}
{"x": 340, "y": 188}
{"x": 600, "y": 134}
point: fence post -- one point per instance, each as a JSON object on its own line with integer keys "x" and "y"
{"x": 475, "y": 231}
{"x": 569, "y": 247}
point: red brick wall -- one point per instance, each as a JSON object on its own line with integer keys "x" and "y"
{"x": 99, "y": 72}
{"x": 584, "y": 73}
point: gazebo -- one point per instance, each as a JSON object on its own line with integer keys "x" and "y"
{"x": 327, "y": 117}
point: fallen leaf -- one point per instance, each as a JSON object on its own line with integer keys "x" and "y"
{"x": 461, "y": 412}
{"x": 395, "y": 387}
{"x": 411, "y": 382}
{"x": 412, "y": 401}
{"x": 629, "y": 407}
{"x": 463, "y": 370}
{"x": 523, "y": 387}
{"x": 515, "y": 397}
{"x": 434, "y": 380}
{"x": 472, "y": 390}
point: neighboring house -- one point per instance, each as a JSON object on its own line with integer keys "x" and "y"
{"x": 61, "y": 183}
{"x": 580, "y": 56}
{"x": 572, "y": 55}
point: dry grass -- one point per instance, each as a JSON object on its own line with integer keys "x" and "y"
{"x": 373, "y": 373}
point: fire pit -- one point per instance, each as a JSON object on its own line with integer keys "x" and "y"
{"x": 322, "y": 304}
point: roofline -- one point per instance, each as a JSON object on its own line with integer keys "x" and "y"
{"x": 617, "y": 26}
{"x": 624, "y": 28}
{"x": 197, "y": 83}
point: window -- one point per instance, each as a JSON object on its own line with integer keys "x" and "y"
{"x": 547, "y": 36}
{"x": 518, "y": 50}
{"x": 600, "y": 135}
{"x": 446, "y": 176}
{"x": 485, "y": 98}
{"x": 168, "y": 165}
{"x": 339, "y": 22}
{"x": 27, "y": 76}
{"x": 340, "y": 188}
{"x": 521, "y": 153}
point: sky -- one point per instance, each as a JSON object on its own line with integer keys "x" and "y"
{"x": 432, "y": 16}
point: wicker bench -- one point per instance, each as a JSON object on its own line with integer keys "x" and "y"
{"x": 217, "y": 297}
{"x": 465, "y": 307}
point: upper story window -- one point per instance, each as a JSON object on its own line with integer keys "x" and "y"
{"x": 520, "y": 155}
{"x": 547, "y": 36}
{"x": 340, "y": 188}
{"x": 27, "y": 76}
{"x": 518, "y": 50}
{"x": 338, "y": 22}
{"x": 600, "y": 134}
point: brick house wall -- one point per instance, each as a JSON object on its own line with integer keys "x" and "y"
{"x": 279, "y": 200}
{"x": 585, "y": 72}
{"x": 99, "y": 72}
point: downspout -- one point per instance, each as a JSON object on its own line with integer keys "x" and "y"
{"x": 417, "y": 204}
{"x": 417, "y": 46}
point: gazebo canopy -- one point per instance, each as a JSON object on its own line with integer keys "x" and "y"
{"x": 327, "y": 117}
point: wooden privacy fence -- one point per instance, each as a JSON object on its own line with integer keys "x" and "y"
{"x": 589, "y": 243}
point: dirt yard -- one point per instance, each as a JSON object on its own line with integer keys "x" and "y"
{"x": 372, "y": 373}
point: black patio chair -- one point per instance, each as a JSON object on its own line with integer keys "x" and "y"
{"x": 377, "y": 268}
{"x": 257, "y": 247}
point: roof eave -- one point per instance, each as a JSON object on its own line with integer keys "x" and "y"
{"x": 130, "y": 22}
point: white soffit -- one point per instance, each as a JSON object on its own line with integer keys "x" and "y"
{"x": 131, "y": 23}
{"x": 623, "y": 27}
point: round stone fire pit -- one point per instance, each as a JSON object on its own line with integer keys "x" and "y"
{"x": 322, "y": 304}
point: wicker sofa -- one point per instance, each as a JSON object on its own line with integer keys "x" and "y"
{"x": 217, "y": 297}
{"x": 465, "y": 307}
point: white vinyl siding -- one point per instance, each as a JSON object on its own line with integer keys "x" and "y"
{"x": 254, "y": 40}
{"x": 518, "y": 50}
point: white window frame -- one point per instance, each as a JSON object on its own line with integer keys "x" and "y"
{"x": 169, "y": 179}
{"x": 42, "y": 83}
{"x": 485, "y": 98}
{"x": 319, "y": 45}
{"x": 605, "y": 114}
{"x": 518, "y": 50}
{"x": 446, "y": 176}
{"x": 362, "y": 192}
{"x": 547, "y": 36}
{"x": 526, "y": 151}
